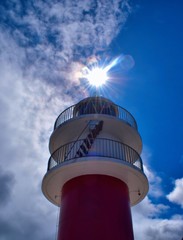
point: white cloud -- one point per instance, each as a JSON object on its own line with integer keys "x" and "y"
{"x": 155, "y": 189}
{"x": 155, "y": 182}
{"x": 176, "y": 196}
{"x": 147, "y": 221}
{"x": 158, "y": 229}
{"x": 148, "y": 209}
{"x": 148, "y": 224}
{"x": 28, "y": 109}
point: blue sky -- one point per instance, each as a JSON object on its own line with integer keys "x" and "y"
{"x": 43, "y": 47}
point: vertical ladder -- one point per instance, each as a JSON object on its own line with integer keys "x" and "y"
{"x": 89, "y": 140}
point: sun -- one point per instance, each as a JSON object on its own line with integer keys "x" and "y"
{"x": 97, "y": 76}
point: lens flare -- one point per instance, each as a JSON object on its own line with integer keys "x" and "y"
{"x": 97, "y": 76}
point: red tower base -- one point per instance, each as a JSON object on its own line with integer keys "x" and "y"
{"x": 95, "y": 207}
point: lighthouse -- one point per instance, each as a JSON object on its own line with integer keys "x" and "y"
{"x": 95, "y": 172}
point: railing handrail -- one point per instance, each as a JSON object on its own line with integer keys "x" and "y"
{"x": 122, "y": 152}
{"x": 68, "y": 114}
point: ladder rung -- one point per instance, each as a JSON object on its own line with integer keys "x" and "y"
{"x": 87, "y": 143}
{"x": 83, "y": 148}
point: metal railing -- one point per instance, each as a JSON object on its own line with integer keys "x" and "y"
{"x": 100, "y": 148}
{"x": 119, "y": 113}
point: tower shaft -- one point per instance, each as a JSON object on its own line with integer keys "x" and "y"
{"x": 95, "y": 207}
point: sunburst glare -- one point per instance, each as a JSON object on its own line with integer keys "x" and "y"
{"x": 98, "y": 75}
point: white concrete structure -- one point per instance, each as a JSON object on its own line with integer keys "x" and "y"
{"x": 95, "y": 136}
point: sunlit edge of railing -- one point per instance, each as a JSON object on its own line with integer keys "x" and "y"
{"x": 129, "y": 119}
{"x": 138, "y": 160}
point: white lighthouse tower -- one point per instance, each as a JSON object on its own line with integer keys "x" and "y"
{"x": 95, "y": 172}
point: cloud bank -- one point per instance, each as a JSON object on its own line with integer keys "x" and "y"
{"x": 42, "y": 46}
{"x": 57, "y": 35}
{"x": 176, "y": 196}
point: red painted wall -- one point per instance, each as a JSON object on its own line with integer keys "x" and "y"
{"x": 95, "y": 207}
